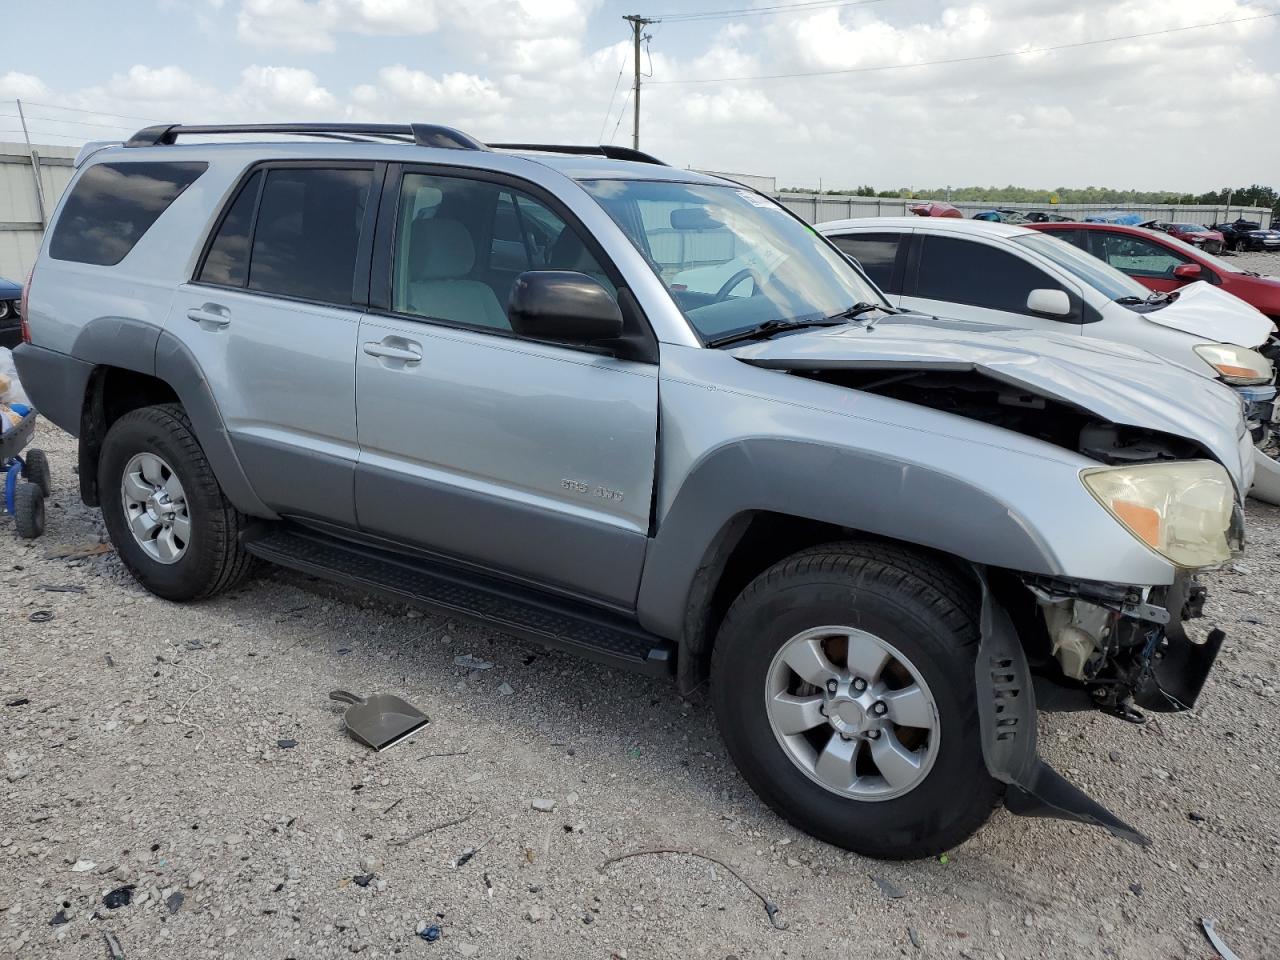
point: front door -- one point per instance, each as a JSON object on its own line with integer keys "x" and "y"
{"x": 529, "y": 459}
{"x": 269, "y": 317}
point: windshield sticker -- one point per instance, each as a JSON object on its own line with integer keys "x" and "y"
{"x": 756, "y": 200}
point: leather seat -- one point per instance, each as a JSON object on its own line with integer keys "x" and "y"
{"x": 441, "y": 255}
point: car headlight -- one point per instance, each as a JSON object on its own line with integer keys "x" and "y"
{"x": 1234, "y": 364}
{"x": 1183, "y": 511}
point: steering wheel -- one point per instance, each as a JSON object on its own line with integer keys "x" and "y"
{"x": 723, "y": 293}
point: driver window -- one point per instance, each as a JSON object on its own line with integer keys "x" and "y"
{"x": 1139, "y": 257}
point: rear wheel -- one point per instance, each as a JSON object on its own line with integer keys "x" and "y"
{"x": 843, "y": 681}
{"x": 164, "y": 510}
{"x": 36, "y": 470}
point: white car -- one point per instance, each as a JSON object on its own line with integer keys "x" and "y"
{"x": 1011, "y": 276}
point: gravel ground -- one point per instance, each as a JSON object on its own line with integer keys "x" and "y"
{"x": 190, "y": 755}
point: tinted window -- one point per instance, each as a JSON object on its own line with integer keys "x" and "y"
{"x": 227, "y": 262}
{"x": 307, "y": 232}
{"x": 966, "y": 272}
{"x": 113, "y": 204}
{"x": 460, "y": 244}
{"x": 1136, "y": 256}
{"x": 877, "y": 252}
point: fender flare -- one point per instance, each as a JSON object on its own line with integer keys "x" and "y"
{"x": 802, "y": 479}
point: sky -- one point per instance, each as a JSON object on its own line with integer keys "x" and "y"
{"x": 1188, "y": 110}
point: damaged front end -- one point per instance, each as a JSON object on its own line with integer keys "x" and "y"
{"x": 1119, "y": 649}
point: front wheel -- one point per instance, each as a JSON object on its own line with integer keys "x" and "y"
{"x": 843, "y": 682}
{"x": 164, "y": 510}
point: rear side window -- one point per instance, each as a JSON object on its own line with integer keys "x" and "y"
{"x": 293, "y": 232}
{"x": 962, "y": 271}
{"x": 113, "y": 204}
{"x": 878, "y": 254}
{"x": 307, "y": 232}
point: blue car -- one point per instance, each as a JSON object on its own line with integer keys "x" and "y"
{"x": 10, "y": 318}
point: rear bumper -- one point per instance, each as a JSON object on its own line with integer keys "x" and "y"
{"x": 54, "y": 382}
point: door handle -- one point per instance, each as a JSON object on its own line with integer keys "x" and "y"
{"x": 409, "y": 354}
{"x": 210, "y": 315}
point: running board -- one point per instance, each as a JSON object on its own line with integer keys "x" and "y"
{"x": 561, "y": 624}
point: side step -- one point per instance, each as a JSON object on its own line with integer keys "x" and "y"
{"x": 562, "y": 624}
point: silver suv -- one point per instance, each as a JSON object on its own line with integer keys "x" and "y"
{"x": 651, "y": 417}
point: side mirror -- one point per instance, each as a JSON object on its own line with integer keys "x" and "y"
{"x": 561, "y": 305}
{"x": 1053, "y": 303}
{"x": 1187, "y": 271}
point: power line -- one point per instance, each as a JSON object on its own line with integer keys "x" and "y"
{"x": 608, "y": 111}
{"x": 78, "y": 123}
{"x": 985, "y": 56}
{"x": 810, "y": 7}
{"x": 621, "y": 113}
{"x": 96, "y": 113}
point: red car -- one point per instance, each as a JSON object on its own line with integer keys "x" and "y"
{"x": 1163, "y": 262}
{"x": 1198, "y": 235}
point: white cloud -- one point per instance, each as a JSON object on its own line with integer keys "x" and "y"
{"x": 285, "y": 88}
{"x": 155, "y": 84}
{"x": 18, "y": 85}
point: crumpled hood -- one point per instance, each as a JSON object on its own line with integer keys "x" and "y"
{"x": 1203, "y": 310}
{"x": 1115, "y": 382}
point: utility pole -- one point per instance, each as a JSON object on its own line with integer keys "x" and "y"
{"x": 35, "y": 165}
{"x": 638, "y": 23}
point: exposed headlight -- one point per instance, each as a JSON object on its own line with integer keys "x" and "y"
{"x": 1183, "y": 511}
{"x": 1236, "y": 364}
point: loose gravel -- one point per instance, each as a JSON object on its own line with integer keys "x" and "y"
{"x": 185, "y": 763}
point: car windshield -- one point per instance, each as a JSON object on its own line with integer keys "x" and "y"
{"x": 1189, "y": 227}
{"x": 732, "y": 259}
{"x": 1088, "y": 269}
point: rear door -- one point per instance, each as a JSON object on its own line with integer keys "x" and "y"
{"x": 271, "y": 317}
{"x": 882, "y": 255}
{"x": 534, "y": 460}
{"x": 972, "y": 279}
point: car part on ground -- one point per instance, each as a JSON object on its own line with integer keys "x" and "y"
{"x": 323, "y": 375}
{"x": 380, "y": 721}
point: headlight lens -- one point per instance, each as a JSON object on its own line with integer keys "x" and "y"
{"x": 1183, "y": 511}
{"x": 1236, "y": 364}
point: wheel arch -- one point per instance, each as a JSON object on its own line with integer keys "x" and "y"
{"x": 141, "y": 367}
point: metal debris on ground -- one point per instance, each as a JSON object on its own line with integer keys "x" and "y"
{"x": 41, "y": 616}
{"x": 119, "y": 897}
{"x": 1224, "y": 951}
{"x": 887, "y": 888}
{"x": 286, "y": 744}
{"x": 60, "y": 587}
{"x": 114, "y": 950}
{"x": 72, "y": 552}
{"x": 770, "y": 907}
{"x": 472, "y": 662}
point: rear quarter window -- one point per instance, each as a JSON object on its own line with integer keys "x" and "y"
{"x": 113, "y": 204}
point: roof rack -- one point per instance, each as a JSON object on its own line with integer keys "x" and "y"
{"x": 603, "y": 150}
{"x": 422, "y": 134}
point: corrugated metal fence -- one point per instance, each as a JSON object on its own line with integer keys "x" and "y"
{"x": 21, "y": 226}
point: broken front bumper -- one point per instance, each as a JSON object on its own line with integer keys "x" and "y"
{"x": 1171, "y": 673}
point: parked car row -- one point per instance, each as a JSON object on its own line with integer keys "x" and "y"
{"x": 890, "y": 487}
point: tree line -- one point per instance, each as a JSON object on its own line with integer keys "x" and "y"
{"x": 1255, "y": 195}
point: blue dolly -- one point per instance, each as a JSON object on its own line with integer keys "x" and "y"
{"x": 27, "y": 480}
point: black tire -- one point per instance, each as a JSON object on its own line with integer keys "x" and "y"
{"x": 28, "y": 510}
{"x": 36, "y": 470}
{"x": 214, "y": 559}
{"x": 925, "y": 610}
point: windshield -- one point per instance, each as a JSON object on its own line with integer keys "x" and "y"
{"x": 1089, "y": 269}
{"x": 731, "y": 258}
{"x": 1189, "y": 227}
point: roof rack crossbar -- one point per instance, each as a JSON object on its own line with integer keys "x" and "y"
{"x": 603, "y": 150}
{"x": 423, "y": 134}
